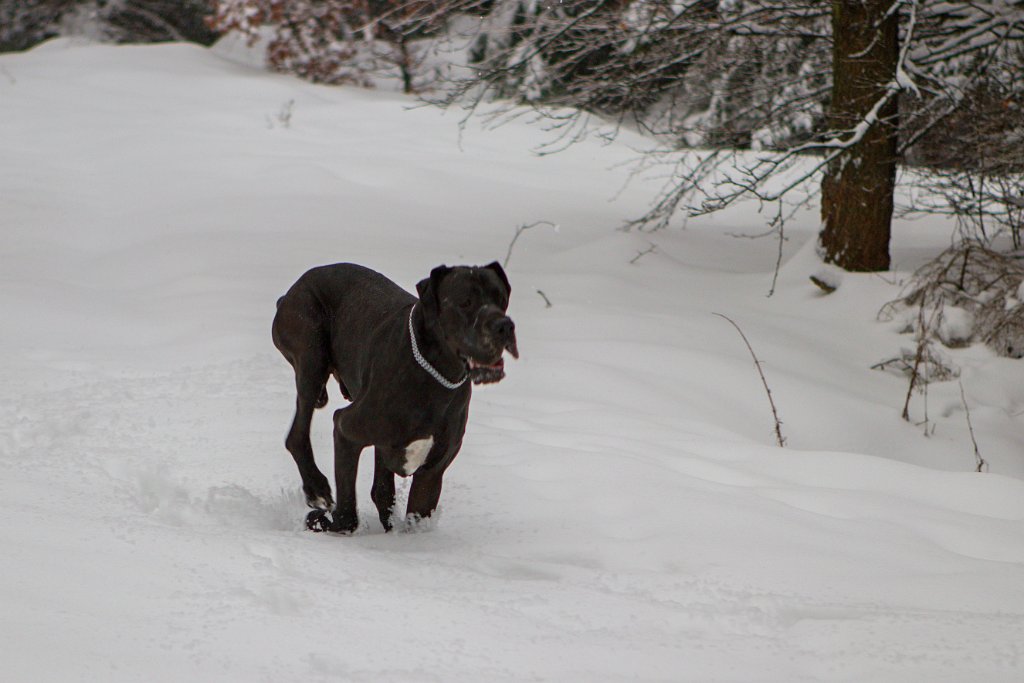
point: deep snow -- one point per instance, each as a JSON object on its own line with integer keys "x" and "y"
{"x": 618, "y": 510}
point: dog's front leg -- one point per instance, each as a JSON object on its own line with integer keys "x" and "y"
{"x": 383, "y": 491}
{"x": 424, "y": 494}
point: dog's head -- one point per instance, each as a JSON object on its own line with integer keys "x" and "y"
{"x": 468, "y": 303}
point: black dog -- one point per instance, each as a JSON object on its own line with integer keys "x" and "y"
{"x": 406, "y": 365}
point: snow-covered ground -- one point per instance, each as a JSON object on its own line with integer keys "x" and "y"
{"x": 619, "y": 510}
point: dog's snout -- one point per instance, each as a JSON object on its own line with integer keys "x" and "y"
{"x": 505, "y": 331}
{"x": 504, "y": 327}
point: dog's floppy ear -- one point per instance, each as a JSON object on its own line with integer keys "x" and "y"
{"x": 496, "y": 267}
{"x": 427, "y": 288}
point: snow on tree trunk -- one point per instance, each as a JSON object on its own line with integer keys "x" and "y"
{"x": 857, "y": 190}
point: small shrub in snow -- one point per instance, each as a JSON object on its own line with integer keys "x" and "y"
{"x": 931, "y": 364}
{"x": 968, "y": 294}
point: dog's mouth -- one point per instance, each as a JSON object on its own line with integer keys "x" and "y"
{"x": 491, "y": 370}
{"x": 485, "y": 373}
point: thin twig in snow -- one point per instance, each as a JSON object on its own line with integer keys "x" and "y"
{"x": 641, "y": 254}
{"x": 779, "y": 439}
{"x": 980, "y": 464}
{"x": 779, "y": 224}
{"x": 924, "y": 330}
{"x": 519, "y": 231}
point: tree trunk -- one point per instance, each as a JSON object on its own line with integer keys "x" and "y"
{"x": 857, "y": 191}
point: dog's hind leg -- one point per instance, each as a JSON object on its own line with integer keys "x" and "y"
{"x": 298, "y": 333}
{"x": 383, "y": 491}
{"x": 346, "y": 466}
{"x": 315, "y": 486}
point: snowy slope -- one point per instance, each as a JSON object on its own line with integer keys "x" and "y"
{"x": 619, "y": 510}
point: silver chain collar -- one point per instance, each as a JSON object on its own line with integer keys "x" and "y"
{"x": 431, "y": 370}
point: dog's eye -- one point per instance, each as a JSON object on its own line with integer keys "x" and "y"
{"x": 465, "y": 304}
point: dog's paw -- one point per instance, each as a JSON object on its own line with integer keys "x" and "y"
{"x": 416, "y": 524}
{"x": 317, "y": 521}
{"x": 344, "y": 524}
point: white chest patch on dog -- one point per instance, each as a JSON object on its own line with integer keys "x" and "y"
{"x": 416, "y": 452}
